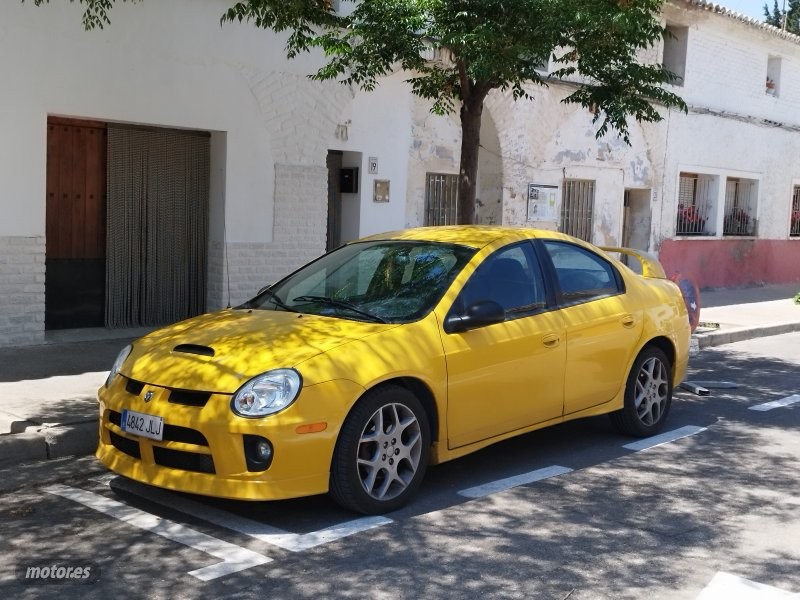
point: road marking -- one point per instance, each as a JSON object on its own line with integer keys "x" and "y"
{"x": 664, "y": 438}
{"x": 501, "y": 485}
{"x": 234, "y": 558}
{"x": 725, "y": 586}
{"x": 294, "y": 542}
{"x": 788, "y": 401}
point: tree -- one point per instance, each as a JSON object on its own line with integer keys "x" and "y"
{"x": 792, "y": 16}
{"x": 486, "y": 45}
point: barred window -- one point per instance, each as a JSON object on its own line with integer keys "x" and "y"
{"x": 577, "y": 206}
{"x": 696, "y": 214}
{"x": 794, "y": 218}
{"x": 740, "y": 207}
{"x": 441, "y": 199}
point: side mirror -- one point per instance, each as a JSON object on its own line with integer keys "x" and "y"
{"x": 264, "y": 289}
{"x": 479, "y": 314}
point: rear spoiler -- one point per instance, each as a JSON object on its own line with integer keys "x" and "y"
{"x": 650, "y": 265}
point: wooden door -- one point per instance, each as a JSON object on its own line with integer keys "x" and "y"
{"x": 334, "y": 163}
{"x": 75, "y": 224}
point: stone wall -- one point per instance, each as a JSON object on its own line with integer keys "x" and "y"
{"x": 21, "y": 290}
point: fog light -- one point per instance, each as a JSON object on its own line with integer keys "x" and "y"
{"x": 257, "y": 453}
{"x": 263, "y": 451}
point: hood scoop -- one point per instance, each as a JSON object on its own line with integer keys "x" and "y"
{"x": 194, "y": 349}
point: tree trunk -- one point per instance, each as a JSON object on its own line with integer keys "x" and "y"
{"x": 471, "y": 110}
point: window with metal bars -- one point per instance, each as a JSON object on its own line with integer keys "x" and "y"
{"x": 695, "y": 204}
{"x": 740, "y": 207}
{"x": 441, "y": 199}
{"x": 577, "y": 206}
{"x": 794, "y": 218}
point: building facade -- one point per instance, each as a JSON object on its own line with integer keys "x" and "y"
{"x": 167, "y": 165}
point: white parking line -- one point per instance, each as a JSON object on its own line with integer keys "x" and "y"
{"x": 501, "y": 485}
{"x": 777, "y": 403}
{"x": 294, "y": 542}
{"x": 234, "y": 558}
{"x": 664, "y": 438}
{"x": 725, "y": 586}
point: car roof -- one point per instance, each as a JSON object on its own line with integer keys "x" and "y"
{"x": 475, "y": 236}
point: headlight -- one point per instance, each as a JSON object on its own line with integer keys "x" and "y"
{"x": 267, "y": 393}
{"x": 123, "y": 354}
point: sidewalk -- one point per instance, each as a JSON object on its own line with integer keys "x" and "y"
{"x": 48, "y": 406}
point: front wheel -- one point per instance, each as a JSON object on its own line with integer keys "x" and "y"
{"x": 648, "y": 395}
{"x": 382, "y": 452}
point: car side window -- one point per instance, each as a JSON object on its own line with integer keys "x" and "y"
{"x": 582, "y": 275}
{"x": 512, "y": 278}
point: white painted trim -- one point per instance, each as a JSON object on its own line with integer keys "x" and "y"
{"x": 725, "y": 586}
{"x": 502, "y": 485}
{"x": 293, "y": 542}
{"x": 788, "y": 401}
{"x": 664, "y": 438}
{"x": 234, "y": 558}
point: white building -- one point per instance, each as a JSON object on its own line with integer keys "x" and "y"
{"x": 166, "y": 165}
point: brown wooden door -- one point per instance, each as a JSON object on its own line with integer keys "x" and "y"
{"x": 75, "y": 224}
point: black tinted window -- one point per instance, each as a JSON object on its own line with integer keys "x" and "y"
{"x": 512, "y": 278}
{"x": 582, "y": 275}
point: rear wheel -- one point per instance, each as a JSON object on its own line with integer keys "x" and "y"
{"x": 382, "y": 452}
{"x": 648, "y": 395}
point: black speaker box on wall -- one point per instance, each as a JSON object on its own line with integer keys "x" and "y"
{"x": 348, "y": 180}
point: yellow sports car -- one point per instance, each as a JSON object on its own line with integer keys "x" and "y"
{"x": 354, "y": 373}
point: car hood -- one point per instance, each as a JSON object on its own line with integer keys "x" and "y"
{"x": 218, "y": 352}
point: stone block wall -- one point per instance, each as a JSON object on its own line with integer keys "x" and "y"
{"x": 21, "y": 290}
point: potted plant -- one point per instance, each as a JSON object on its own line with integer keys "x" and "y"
{"x": 737, "y": 222}
{"x": 690, "y": 220}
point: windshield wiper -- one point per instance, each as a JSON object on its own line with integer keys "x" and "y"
{"x": 339, "y": 304}
{"x": 275, "y": 300}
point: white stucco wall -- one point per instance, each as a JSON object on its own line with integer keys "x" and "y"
{"x": 171, "y": 64}
{"x": 734, "y": 128}
{"x": 381, "y": 129}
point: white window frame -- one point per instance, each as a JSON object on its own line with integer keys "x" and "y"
{"x": 673, "y": 57}
{"x": 696, "y": 206}
{"x": 741, "y": 207}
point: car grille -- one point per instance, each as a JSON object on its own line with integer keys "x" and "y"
{"x": 184, "y": 397}
{"x": 123, "y": 444}
{"x": 186, "y": 461}
{"x": 189, "y": 398}
{"x": 167, "y": 457}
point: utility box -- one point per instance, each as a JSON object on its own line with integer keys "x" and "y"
{"x": 348, "y": 180}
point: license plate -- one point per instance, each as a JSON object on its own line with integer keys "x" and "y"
{"x": 149, "y": 426}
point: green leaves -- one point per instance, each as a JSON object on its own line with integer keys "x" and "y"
{"x": 95, "y": 16}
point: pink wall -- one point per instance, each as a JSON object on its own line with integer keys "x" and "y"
{"x": 732, "y": 262}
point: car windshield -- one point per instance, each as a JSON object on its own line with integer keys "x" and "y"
{"x": 382, "y": 281}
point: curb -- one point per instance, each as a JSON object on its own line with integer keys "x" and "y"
{"x": 718, "y": 338}
{"x": 78, "y": 439}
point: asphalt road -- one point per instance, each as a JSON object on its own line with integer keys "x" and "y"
{"x": 706, "y": 515}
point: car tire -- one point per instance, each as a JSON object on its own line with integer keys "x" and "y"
{"x": 648, "y": 395}
{"x": 382, "y": 452}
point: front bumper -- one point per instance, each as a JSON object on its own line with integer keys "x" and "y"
{"x": 203, "y": 449}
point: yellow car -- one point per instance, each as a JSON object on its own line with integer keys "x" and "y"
{"x": 391, "y": 353}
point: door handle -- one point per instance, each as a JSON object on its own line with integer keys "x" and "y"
{"x": 551, "y": 340}
{"x": 628, "y": 321}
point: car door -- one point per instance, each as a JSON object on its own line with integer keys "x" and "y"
{"x": 602, "y": 330}
{"x": 507, "y": 375}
